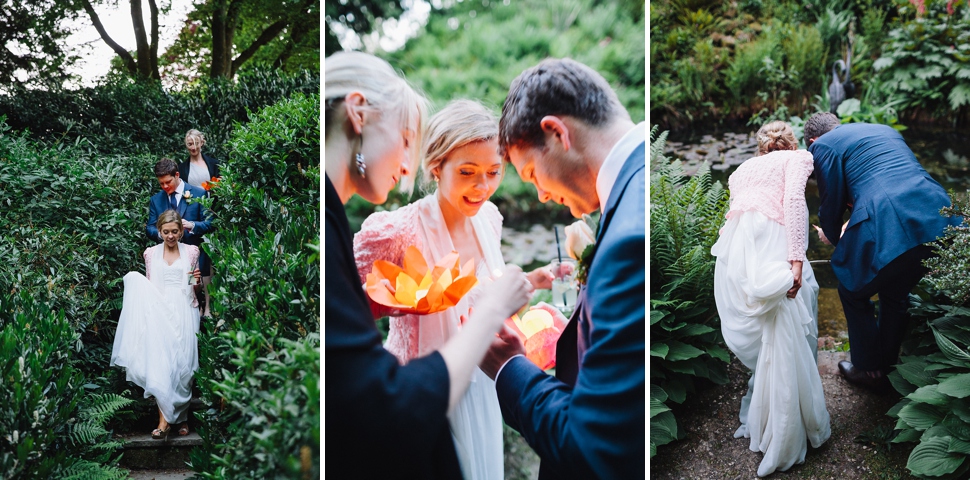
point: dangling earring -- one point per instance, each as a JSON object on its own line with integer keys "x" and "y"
{"x": 359, "y": 160}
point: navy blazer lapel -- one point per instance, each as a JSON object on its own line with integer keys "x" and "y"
{"x": 632, "y": 165}
{"x": 183, "y": 203}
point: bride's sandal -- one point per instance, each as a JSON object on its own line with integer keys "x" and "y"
{"x": 184, "y": 429}
{"x": 159, "y": 434}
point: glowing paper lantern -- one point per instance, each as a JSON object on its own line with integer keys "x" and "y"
{"x": 413, "y": 288}
{"x": 539, "y": 333}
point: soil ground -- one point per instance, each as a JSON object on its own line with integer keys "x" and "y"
{"x": 710, "y": 451}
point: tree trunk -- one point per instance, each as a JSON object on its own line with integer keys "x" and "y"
{"x": 219, "y": 47}
{"x": 141, "y": 40}
{"x": 126, "y": 57}
{"x": 153, "y": 50}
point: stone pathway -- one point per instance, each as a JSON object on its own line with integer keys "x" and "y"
{"x": 710, "y": 451}
{"x": 177, "y": 474}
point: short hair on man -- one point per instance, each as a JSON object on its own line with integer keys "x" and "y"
{"x": 166, "y": 166}
{"x": 818, "y": 125}
{"x": 561, "y": 87}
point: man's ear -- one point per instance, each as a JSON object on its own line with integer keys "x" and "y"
{"x": 555, "y": 128}
{"x": 353, "y": 103}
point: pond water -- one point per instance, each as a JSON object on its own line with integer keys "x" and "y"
{"x": 944, "y": 154}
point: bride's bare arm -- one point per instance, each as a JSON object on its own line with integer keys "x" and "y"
{"x": 463, "y": 352}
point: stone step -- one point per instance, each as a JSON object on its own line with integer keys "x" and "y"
{"x": 142, "y": 452}
{"x": 167, "y": 474}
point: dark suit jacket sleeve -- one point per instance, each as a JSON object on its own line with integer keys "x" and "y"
{"x": 832, "y": 190}
{"x": 599, "y": 425}
{"x": 374, "y": 404}
{"x": 153, "y": 212}
{"x": 199, "y": 214}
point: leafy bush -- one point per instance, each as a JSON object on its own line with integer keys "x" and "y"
{"x": 260, "y": 365}
{"x": 52, "y": 427}
{"x": 685, "y": 336}
{"x": 125, "y": 117}
{"x": 934, "y": 370}
{"x": 926, "y": 61}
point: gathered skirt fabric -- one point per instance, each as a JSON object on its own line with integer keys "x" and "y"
{"x": 773, "y": 335}
{"x": 156, "y": 343}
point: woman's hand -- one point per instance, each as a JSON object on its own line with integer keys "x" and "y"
{"x": 796, "y": 271}
{"x": 502, "y": 297}
{"x": 197, "y": 274}
{"x": 821, "y": 235}
{"x": 541, "y": 278}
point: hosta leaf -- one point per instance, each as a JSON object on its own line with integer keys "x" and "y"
{"x": 915, "y": 373}
{"x": 957, "y": 386}
{"x": 682, "y": 351}
{"x": 959, "y": 446}
{"x": 907, "y": 435}
{"x": 656, "y": 391}
{"x": 894, "y": 411}
{"x": 659, "y": 350}
{"x": 676, "y": 391}
{"x": 695, "y": 329}
{"x": 928, "y": 394}
{"x": 719, "y": 353}
{"x": 957, "y": 427}
{"x": 656, "y": 316}
{"x": 657, "y": 407}
{"x": 948, "y": 348}
{"x": 961, "y": 408}
{"x": 920, "y": 415}
{"x": 930, "y": 458}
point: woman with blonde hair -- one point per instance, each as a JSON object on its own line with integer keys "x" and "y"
{"x": 156, "y": 337}
{"x": 766, "y": 297}
{"x": 461, "y": 170}
{"x": 199, "y": 170}
{"x": 373, "y": 403}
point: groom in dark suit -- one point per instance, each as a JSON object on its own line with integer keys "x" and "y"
{"x": 564, "y": 130}
{"x": 869, "y": 171}
{"x": 175, "y": 195}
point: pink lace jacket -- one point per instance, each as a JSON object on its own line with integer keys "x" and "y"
{"x": 774, "y": 185}
{"x": 191, "y": 250}
{"x": 385, "y": 236}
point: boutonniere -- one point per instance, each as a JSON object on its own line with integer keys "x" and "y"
{"x": 187, "y": 195}
{"x": 581, "y": 244}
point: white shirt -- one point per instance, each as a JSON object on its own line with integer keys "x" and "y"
{"x": 610, "y": 169}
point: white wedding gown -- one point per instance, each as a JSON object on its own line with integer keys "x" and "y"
{"x": 774, "y": 336}
{"x": 156, "y": 337}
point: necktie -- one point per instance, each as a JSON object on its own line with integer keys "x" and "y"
{"x": 172, "y": 201}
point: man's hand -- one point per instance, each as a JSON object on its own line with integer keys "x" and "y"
{"x": 187, "y": 225}
{"x": 506, "y": 345}
{"x": 821, "y": 235}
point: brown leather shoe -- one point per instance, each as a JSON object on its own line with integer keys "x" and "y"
{"x": 873, "y": 380}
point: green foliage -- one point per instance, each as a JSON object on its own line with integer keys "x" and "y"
{"x": 685, "y": 337}
{"x": 124, "y": 117}
{"x": 948, "y": 268}
{"x": 926, "y": 61}
{"x": 259, "y": 367}
{"x": 52, "y": 427}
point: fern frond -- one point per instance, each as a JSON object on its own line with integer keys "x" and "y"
{"x": 80, "y": 469}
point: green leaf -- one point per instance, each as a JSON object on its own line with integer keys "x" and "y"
{"x": 957, "y": 427}
{"x": 957, "y": 386}
{"x": 719, "y": 353}
{"x": 920, "y": 415}
{"x": 915, "y": 373}
{"x": 848, "y": 107}
{"x": 959, "y": 96}
{"x": 659, "y": 350}
{"x": 881, "y": 63}
{"x": 681, "y": 351}
{"x": 907, "y": 435}
{"x": 657, "y": 407}
{"x": 948, "y": 348}
{"x": 931, "y": 458}
{"x": 928, "y": 394}
{"x": 959, "y": 446}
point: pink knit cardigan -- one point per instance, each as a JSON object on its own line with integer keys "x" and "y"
{"x": 774, "y": 185}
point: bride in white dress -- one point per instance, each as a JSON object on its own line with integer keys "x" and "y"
{"x": 156, "y": 337}
{"x": 766, "y": 297}
{"x": 461, "y": 158}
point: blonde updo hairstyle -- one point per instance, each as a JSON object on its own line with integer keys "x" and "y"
{"x": 170, "y": 216}
{"x": 385, "y": 91}
{"x": 776, "y": 135}
{"x": 460, "y": 123}
{"x": 196, "y": 137}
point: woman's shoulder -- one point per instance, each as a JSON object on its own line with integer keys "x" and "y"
{"x": 192, "y": 249}
{"x": 401, "y": 222}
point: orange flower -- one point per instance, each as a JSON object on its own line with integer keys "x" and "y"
{"x": 416, "y": 289}
{"x": 211, "y": 183}
{"x": 539, "y": 333}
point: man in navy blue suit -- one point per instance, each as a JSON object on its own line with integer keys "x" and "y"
{"x": 564, "y": 130}
{"x": 175, "y": 195}
{"x": 869, "y": 171}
